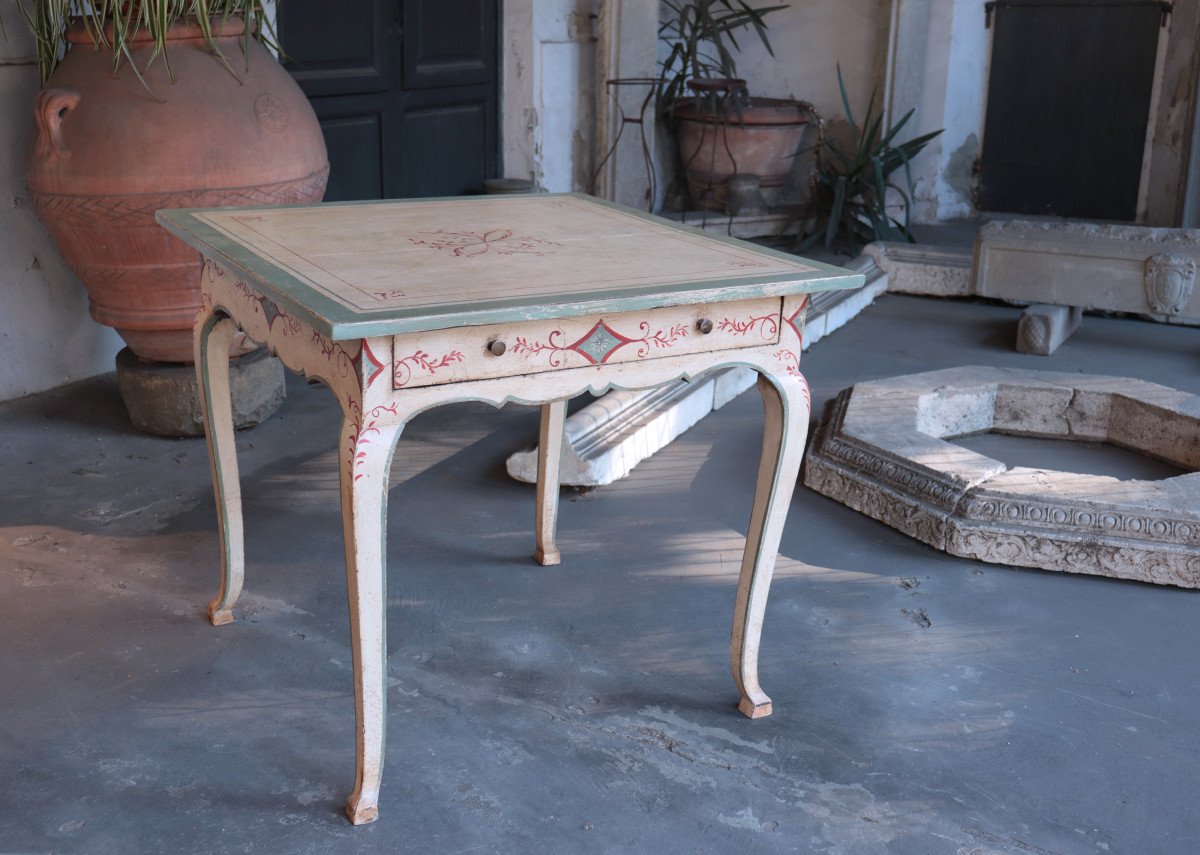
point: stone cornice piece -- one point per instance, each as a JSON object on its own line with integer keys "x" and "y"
{"x": 1106, "y": 267}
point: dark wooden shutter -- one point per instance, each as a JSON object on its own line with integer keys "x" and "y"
{"x": 1068, "y": 105}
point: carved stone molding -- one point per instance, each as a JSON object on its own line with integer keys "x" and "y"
{"x": 1170, "y": 281}
{"x": 886, "y": 449}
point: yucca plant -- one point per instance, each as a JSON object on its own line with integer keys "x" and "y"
{"x": 114, "y": 24}
{"x": 702, "y": 35}
{"x": 850, "y": 192}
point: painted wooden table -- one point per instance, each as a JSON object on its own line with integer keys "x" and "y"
{"x": 401, "y": 306}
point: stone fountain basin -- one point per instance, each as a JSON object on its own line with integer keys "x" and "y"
{"x": 886, "y": 449}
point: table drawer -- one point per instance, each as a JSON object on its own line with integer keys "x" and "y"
{"x": 505, "y": 350}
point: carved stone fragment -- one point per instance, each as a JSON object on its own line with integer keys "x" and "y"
{"x": 1115, "y": 268}
{"x": 1043, "y": 328}
{"x": 1170, "y": 280}
{"x": 886, "y": 449}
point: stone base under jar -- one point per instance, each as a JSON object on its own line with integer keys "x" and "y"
{"x": 162, "y": 397}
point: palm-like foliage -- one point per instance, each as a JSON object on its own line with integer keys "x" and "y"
{"x": 114, "y": 24}
{"x": 852, "y": 181}
{"x": 702, "y": 35}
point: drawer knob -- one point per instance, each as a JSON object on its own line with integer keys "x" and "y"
{"x": 705, "y": 326}
{"x": 497, "y": 347}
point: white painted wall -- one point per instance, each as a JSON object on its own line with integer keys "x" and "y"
{"x": 551, "y": 86}
{"x": 938, "y": 66}
{"x": 46, "y": 335}
{"x": 962, "y": 114}
{"x": 549, "y": 92}
{"x": 810, "y": 39}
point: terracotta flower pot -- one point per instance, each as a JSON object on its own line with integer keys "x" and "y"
{"x": 109, "y": 153}
{"x": 760, "y": 139}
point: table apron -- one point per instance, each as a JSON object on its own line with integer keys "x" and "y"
{"x": 540, "y": 388}
{"x": 506, "y": 350}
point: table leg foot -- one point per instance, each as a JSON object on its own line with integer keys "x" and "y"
{"x": 550, "y": 441}
{"x": 214, "y": 334}
{"x": 750, "y": 709}
{"x": 786, "y": 403}
{"x": 361, "y": 811}
{"x": 364, "y": 480}
{"x": 219, "y": 616}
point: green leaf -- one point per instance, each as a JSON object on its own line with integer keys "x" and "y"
{"x": 48, "y": 20}
{"x": 845, "y": 100}
{"x": 852, "y": 186}
{"x": 835, "y": 213}
{"x": 887, "y": 138}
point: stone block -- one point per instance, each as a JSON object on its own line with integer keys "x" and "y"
{"x": 162, "y": 398}
{"x": 955, "y": 412}
{"x": 1160, "y": 431}
{"x": 1043, "y": 328}
{"x": 1148, "y": 271}
{"x": 1048, "y": 409}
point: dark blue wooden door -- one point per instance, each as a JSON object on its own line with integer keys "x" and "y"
{"x": 405, "y": 90}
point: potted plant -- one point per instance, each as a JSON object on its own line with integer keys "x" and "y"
{"x": 850, "y": 201}
{"x": 722, "y": 130}
{"x": 149, "y": 105}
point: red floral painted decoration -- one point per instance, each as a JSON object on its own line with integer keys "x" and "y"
{"x": 767, "y": 326}
{"x": 337, "y": 354}
{"x": 270, "y": 309}
{"x": 788, "y": 357}
{"x": 600, "y": 342}
{"x": 362, "y": 435}
{"x": 403, "y": 371}
{"x": 499, "y": 241}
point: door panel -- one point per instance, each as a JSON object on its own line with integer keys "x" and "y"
{"x": 440, "y": 144}
{"x": 1068, "y": 106}
{"x": 359, "y": 143}
{"x": 448, "y": 43}
{"x": 338, "y": 54}
{"x": 405, "y": 90}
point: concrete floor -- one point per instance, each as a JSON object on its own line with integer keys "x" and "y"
{"x": 585, "y": 708}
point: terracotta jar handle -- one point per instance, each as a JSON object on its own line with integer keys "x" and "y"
{"x": 50, "y": 109}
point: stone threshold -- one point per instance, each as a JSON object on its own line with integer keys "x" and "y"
{"x": 604, "y": 440}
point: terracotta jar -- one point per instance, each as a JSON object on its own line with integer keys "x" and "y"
{"x": 759, "y": 139}
{"x": 110, "y": 152}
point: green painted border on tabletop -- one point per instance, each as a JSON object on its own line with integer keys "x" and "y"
{"x": 340, "y": 322}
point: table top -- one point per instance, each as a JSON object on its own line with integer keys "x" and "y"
{"x": 358, "y": 269}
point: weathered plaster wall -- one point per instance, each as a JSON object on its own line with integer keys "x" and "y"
{"x": 46, "y": 336}
{"x": 938, "y": 67}
{"x": 626, "y": 50}
{"x": 549, "y": 92}
{"x": 810, "y": 39}
{"x": 551, "y": 85}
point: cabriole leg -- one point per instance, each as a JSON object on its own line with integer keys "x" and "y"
{"x": 550, "y": 441}
{"x": 786, "y": 401}
{"x": 364, "y": 479}
{"x": 213, "y": 337}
